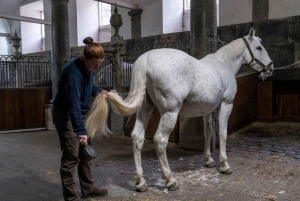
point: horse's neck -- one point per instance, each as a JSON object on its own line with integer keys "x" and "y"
{"x": 232, "y": 55}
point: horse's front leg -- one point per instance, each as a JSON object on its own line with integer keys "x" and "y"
{"x": 165, "y": 127}
{"x": 207, "y": 121}
{"x": 224, "y": 113}
{"x": 138, "y": 137}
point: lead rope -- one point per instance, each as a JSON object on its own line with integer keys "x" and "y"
{"x": 287, "y": 66}
{"x": 225, "y": 43}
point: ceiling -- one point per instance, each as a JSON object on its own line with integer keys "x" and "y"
{"x": 12, "y": 6}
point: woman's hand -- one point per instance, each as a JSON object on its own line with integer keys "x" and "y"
{"x": 82, "y": 139}
{"x": 105, "y": 93}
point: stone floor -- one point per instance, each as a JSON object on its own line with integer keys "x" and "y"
{"x": 264, "y": 158}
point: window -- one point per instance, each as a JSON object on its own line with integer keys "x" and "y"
{"x": 187, "y": 4}
{"x": 104, "y": 13}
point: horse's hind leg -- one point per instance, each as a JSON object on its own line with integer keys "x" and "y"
{"x": 138, "y": 137}
{"x": 207, "y": 120}
{"x": 165, "y": 127}
{"x": 224, "y": 113}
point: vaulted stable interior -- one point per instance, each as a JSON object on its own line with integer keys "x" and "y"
{"x": 147, "y": 25}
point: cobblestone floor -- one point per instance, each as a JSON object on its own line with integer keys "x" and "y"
{"x": 264, "y": 158}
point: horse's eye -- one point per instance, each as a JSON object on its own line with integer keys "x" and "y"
{"x": 259, "y": 48}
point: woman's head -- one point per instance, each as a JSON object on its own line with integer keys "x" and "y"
{"x": 92, "y": 54}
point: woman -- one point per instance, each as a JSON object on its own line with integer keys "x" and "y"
{"x": 71, "y": 103}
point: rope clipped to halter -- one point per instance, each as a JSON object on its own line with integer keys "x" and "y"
{"x": 288, "y": 65}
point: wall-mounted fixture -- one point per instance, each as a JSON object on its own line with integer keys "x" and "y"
{"x": 15, "y": 40}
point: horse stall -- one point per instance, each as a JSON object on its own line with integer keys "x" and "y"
{"x": 279, "y": 97}
{"x": 25, "y": 88}
{"x": 23, "y": 108}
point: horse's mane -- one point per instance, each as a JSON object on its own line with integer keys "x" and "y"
{"x": 258, "y": 38}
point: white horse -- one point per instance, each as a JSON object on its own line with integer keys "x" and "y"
{"x": 178, "y": 84}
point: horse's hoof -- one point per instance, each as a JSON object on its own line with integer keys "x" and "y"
{"x": 173, "y": 186}
{"x": 141, "y": 188}
{"x": 227, "y": 172}
{"x": 211, "y": 164}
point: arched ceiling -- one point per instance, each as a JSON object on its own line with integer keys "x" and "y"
{"x": 12, "y": 6}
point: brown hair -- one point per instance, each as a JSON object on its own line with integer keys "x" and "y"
{"x": 92, "y": 50}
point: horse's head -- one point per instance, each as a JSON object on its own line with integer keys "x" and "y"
{"x": 257, "y": 57}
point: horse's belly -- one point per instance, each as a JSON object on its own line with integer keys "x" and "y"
{"x": 195, "y": 109}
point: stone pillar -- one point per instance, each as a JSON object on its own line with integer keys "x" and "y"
{"x": 135, "y": 23}
{"x": 260, "y": 10}
{"x": 60, "y": 40}
{"x": 60, "y": 50}
{"x": 117, "y": 44}
{"x": 203, "y": 22}
{"x": 117, "y": 121}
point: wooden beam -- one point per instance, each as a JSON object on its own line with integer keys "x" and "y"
{"x": 120, "y": 4}
{"x": 24, "y": 19}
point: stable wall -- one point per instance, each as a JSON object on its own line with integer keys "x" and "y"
{"x": 282, "y": 9}
{"x": 88, "y": 22}
{"x": 234, "y": 12}
{"x": 237, "y": 12}
{"x": 151, "y": 19}
{"x": 125, "y": 29}
{"x": 31, "y": 33}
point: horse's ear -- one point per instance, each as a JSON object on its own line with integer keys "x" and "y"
{"x": 251, "y": 33}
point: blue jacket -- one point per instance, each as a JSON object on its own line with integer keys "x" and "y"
{"x": 75, "y": 89}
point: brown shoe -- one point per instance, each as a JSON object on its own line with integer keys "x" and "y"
{"x": 95, "y": 192}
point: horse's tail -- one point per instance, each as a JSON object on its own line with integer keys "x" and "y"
{"x": 96, "y": 121}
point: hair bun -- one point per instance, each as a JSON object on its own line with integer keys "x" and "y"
{"x": 88, "y": 40}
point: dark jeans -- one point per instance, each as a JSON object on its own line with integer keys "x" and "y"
{"x": 73, "y": 155}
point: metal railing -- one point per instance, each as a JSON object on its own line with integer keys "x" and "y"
{"x": 133, "y": 52}
{"x": 25, "y": 71}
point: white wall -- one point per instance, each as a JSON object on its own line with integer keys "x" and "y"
{"x": 31, "y": 33}
{"x": 105, "y": 33}
{"x": 125, "y": 30}
{"x": 72, "y": 11}
{"x": 283, "y": 8}
{"x": 187, "y": 20}
{"x": 4, "y": 28}
{"x": 87, "y": 20}
{"x": 235, "y": 12}
{"x": 151, "y": 19}
{"x": 172, "y": 16}
{"x": 48, "y": 28}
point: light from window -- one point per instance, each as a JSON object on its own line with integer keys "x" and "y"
{"x": 42, "y": 25}
{"x": 187, "y": 4}
{"x": 104, "y": 13}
